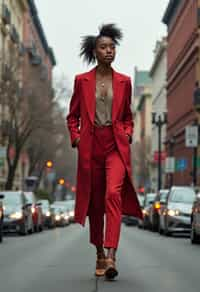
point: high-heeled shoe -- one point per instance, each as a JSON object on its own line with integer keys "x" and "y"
{"x": 100, "y": 265}
{"x": 111, "y": 271}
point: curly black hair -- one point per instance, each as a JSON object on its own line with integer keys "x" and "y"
{"x": 88, "y": 43}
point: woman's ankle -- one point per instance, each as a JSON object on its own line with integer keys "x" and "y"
{"x": 111, "y": 253}
{"x": 100, "y": 252}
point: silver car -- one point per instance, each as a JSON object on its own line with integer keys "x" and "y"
{"x": 195, "y": 221}
{"x": 17, "y": 213}
{"x": 176, "y": 215}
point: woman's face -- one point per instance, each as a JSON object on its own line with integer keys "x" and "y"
{"x": 105, "y": 50}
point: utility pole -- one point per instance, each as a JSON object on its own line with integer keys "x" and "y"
{"x": 159, "y": 120}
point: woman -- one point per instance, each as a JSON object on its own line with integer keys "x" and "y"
{"x": 101, "y": 127}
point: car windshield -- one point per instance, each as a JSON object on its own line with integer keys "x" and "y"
{"x": 45, "y": 204}
{"x": 150, "y": 198}
{"x": 12, "y": 199}
{"x": 57, "y": 209}
{"x": 183, "y": 196}
{"x": 141, "y": 200}
{"x": 30, "y": 198}
{"x": 69, "y": 205}
{"x": 163, "y": 196}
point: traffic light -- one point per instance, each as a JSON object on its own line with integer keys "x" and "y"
{"x": 49, "y": 164}
{"x": 61, "y": 181}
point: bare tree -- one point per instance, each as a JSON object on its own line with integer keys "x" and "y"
{"x": 27, "y": 105}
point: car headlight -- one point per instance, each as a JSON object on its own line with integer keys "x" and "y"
{"x": 145, "y": 212}
{"x": 173, "y": 212}
{"x": 48, "y": 214}
{"x": 71, "y": 213}
{"x": 16, "y": 215}
{"x": 57, "y": 217}
{"x": 33, "y": 210}
{"x": 66, "y": 217}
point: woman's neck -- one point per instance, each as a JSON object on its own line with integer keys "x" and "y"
{"x": 104, "y": 69}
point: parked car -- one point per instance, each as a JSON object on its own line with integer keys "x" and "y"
{"x": 59, "y": 215}
{"x": 48, "y": 214}
{"x": 141, "y": 200}
{"x": 36, "y": 211}
{"x": 17, "y": 213}
{"x": 70, "y": 205}
{"x": 154, "y": 211}
{"x": 176, "y": 214}
{"x": 195, "y": 221}
{"x": 1, "y": 217}
{"x": 129, "y": 220}
{"x": 148, "y": 201}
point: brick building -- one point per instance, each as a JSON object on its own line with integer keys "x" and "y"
{"x": 183, "y": 69}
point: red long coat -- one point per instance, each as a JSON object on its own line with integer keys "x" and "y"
{"x": 80, "y": 122}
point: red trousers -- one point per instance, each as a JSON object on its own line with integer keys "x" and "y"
{"x": 108, "y": 174}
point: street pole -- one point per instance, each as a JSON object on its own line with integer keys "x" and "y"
{"x": 159, "y": 122}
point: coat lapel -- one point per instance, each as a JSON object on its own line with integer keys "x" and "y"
{"x": 90, "y": 93}
{"x": 118, "y": 94}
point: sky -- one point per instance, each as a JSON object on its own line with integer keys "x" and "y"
{"x": 65, "y": 21}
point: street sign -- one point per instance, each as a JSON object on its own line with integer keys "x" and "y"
{"x": 170, "y": 165}
{"x": 2, "y": 152}
{"x": 191, "y": 136}
{"x": 181, "y": 164}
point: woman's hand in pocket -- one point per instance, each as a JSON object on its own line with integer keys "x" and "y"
{"x": 77, "y": 141}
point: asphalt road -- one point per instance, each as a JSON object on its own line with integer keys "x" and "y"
{"x": 61, "y": 260}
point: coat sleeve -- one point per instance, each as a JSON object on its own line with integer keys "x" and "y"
{"x": 73, "y": 118}
{"x": 128, "y": 116}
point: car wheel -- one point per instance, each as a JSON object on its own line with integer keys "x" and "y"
{"x": 194, "y": 237}
{"x": 166, "y": 231}
{"x": 40, "y": 228}
{"x": 36, "y": 228}
{"x": 160, "y": 230}
{"x": 23, "y": 229}
{"x": 31, "y": 230}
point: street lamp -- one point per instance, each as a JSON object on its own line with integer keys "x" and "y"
{"x": 61, "y": 181}
{"x": 49, "y": 164}
{"x": 159, "y": 120}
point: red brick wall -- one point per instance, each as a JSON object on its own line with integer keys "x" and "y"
{"x": 182, "y": 54}
{"x": 180, "y": 100}
{"x": 181, "y": 32}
